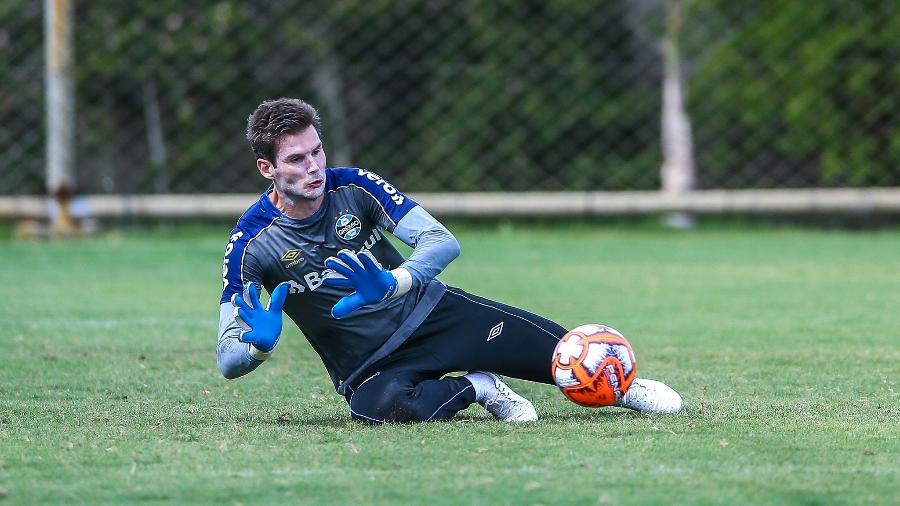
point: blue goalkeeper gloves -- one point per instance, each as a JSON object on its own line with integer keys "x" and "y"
{"x": 260, "y": 326}
{"x": 361, "y": 272}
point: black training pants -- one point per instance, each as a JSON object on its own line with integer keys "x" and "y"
{"x": 464, "y": 332}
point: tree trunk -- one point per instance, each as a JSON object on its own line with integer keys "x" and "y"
{"x": 156, "y": 143}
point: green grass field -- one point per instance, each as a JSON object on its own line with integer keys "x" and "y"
{"x": 784, "y": 343}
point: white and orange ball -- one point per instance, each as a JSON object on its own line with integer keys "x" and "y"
{"x": 594, "y": 365}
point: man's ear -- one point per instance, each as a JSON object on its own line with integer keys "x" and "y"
{"x": 265, "y": 168}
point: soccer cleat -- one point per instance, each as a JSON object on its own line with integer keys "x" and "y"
{"x": 506, "y": 405}
{"x": 650, "y": 396}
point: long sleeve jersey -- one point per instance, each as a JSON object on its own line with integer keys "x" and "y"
{"x": 268, "y": 247}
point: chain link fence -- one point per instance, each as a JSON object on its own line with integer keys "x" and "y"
{"x": 448, "y": 95}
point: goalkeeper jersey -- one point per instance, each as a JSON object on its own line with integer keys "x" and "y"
{"x": 268, "y": 247}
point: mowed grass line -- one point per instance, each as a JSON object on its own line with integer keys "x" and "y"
{"x": 784, "y": 344}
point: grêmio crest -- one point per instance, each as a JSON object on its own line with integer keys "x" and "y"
{"x": 348, "y": 227}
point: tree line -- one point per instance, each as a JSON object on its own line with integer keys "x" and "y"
{"x": 464, "y": 95}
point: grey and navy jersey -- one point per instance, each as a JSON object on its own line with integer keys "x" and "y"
{"x": 268, "y": 247}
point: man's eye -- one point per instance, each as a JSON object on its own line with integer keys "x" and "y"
{"x": 317, "y": 151}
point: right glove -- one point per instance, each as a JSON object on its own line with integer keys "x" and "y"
{"x": 371, "y": 283}
{"x": 260, "y": 327}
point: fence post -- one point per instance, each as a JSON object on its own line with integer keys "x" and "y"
{"x": 677, "y": 143}
{"x": 60, "y": 112}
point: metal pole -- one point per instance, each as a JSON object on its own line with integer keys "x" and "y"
{"x": 60, "y": 111}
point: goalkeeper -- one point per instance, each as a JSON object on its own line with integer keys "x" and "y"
{"x": 385, "y": 328}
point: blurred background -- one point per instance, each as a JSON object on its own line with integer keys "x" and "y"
{"x": 447, "y": 95}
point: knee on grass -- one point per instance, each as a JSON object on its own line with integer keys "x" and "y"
{"x": 391, "y": 402}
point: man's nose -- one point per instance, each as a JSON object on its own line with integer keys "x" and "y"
{"x": 313, "y": 166}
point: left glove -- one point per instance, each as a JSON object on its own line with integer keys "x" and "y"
{"x": 261, "y": 327}
{"x": 362, "y": 272}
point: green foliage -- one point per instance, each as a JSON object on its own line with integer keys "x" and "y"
{"x": 536, "y": 102}
{"x": 445, "y": 95}
{"x": 206, "y": 62}
{"x": 21, "y": 97}
{"x": 810, "y": 85}
{"x": 464, "y": 95}
{"x": 783, "y": 344}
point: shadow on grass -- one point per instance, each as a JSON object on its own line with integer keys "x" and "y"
{"x": 343, "y": 420}
{"x": 589, "y": 416}
{"x": 312, "y": 421}
{"x": 592, "y": 415}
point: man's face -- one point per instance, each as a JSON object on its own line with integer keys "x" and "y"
{"x": 299, "y": 169}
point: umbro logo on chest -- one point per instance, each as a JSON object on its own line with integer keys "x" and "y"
{"x": 292, "y": 258}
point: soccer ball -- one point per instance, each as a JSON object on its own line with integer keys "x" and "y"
{"x": 593, "y": 365}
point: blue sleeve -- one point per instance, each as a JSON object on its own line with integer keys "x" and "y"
{"x": 232, "y": 356}
{"x": 388, "y": 204}
{"x": 238, "y": 267}
{"x": 434, "y": 247}
{"x": 231, "y": 265}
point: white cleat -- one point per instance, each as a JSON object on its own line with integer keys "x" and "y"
{"x": 506, "y": 405}
{"x": 650, "y": 396}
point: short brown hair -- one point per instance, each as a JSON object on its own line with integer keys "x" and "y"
{"x": 274, "y": 118}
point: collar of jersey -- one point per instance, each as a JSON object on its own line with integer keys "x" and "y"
{"x": 270, "y": 207}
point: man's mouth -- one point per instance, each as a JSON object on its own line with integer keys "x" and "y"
{"x": 315, "y": 183}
